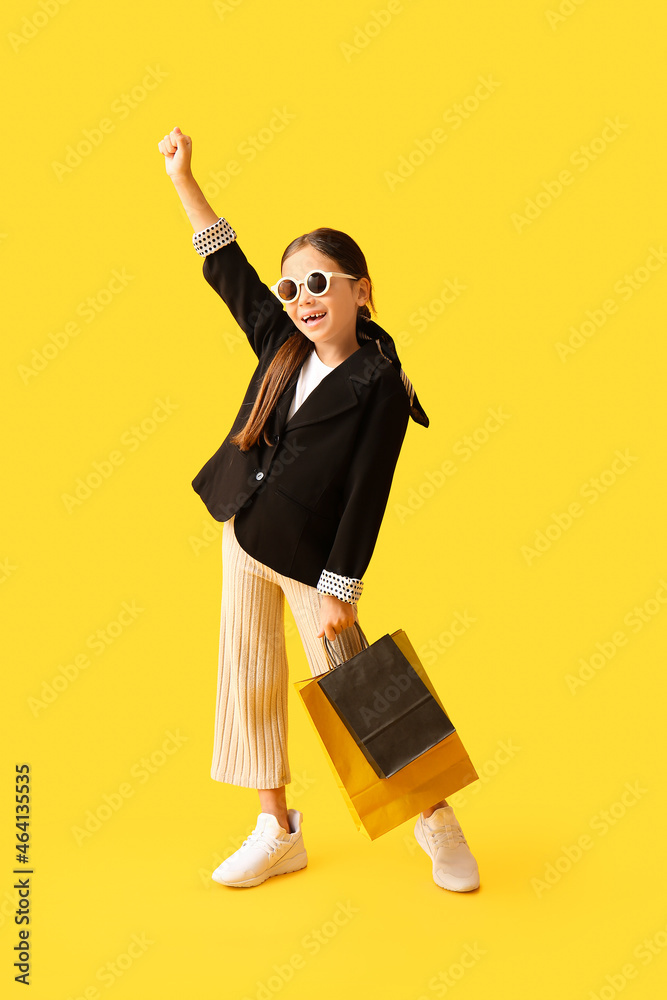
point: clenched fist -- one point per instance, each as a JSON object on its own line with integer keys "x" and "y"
{"x": 177, "y": 151}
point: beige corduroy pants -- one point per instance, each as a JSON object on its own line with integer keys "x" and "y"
{"x": 250, "y": 743}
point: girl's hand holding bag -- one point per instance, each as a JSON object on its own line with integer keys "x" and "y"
{"x": 391, "y": 746}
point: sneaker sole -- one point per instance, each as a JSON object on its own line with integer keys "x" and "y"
{"x": 293, "y": 864}
{"x": 453, "y": 888}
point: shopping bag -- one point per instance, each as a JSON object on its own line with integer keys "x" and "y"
{"x": 378, "y": 805}
{"x": 385, "y": 704}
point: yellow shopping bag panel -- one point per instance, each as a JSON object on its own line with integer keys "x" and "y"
{"x": 376, "y": 804}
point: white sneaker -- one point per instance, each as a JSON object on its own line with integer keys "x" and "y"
{"x": 442, "y": 838}
{"x": 269, "y": 850}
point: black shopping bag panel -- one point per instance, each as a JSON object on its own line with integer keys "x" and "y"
{"x": 386, "y": 706}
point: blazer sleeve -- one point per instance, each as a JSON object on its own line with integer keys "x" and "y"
{"x": 366, "y": 493}
{"x": 251, "y": 302}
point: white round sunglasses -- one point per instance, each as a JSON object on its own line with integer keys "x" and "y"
{"x": 316, "y": 281}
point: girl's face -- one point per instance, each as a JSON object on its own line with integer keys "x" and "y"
{"x": 339, "y": 304}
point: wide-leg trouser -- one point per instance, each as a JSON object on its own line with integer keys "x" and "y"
{"x": 250, "y": 743}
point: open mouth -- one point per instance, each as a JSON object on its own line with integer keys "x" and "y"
{"x": 314, "y": 318}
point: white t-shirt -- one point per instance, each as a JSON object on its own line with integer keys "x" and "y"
{"x": 312, "y": 372}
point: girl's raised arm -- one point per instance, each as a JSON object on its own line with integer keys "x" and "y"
{"x": 177, "y": 151}
{"x": 251, "y": 302}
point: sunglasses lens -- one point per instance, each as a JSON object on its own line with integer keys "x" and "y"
{"x": 317, "y": 283}
{"x": 287, "y": 290}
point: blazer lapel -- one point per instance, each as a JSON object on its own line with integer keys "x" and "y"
{"x": 283, "y": 404}
{"x": 333, "y": 395}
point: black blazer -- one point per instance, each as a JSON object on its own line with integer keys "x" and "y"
{"x": 314, "y": 498}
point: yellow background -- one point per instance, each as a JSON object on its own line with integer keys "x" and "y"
{"x": 363, "y": 94}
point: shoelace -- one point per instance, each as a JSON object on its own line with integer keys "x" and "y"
{"x": 450, "y": 836}
{"x": 263, "y": 840}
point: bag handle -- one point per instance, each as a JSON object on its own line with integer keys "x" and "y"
{"x": 328, "y": 648}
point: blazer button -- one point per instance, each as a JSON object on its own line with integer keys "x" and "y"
{"x": 260, "y": 475}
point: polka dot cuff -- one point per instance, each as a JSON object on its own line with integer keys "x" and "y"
{"x": 209, "y": 240}
{"x": 345, "y": 588}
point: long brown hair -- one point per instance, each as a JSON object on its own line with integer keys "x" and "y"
{"x": 348, "y": 257}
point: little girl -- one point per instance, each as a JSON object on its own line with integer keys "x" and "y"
{"x": 301, "y": 483}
